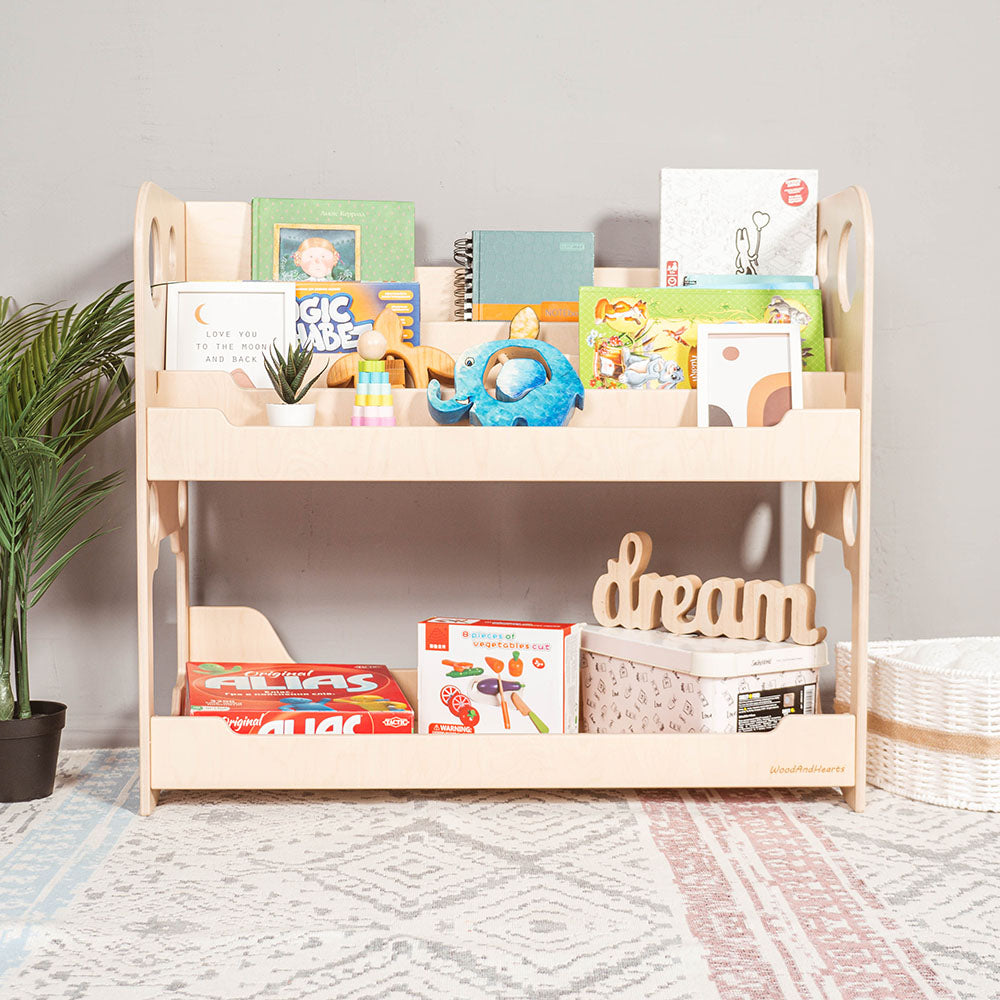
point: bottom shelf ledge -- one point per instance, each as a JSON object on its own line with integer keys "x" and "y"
{"x": 203, "y": 753}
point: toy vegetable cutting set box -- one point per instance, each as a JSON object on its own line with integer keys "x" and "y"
{"x": 299, "y": 699}
{"x": 481, "y": 676}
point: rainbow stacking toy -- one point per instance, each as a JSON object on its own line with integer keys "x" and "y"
{"x": 373, "y": 395}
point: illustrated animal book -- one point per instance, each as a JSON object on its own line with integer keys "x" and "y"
{"x": 647, "y": 338}
{"x": 295, "y": 239}
{"x": 737, "y": 222}
{"x": 502, "y": 271}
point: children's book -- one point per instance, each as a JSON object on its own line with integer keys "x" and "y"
{"x": 503, "y": 271}
{"x": 751, "y": 281}
{"x": 295, "y": 239}
{"x": 647, "y": 338}
{"x": 331, "y": 316}
{"x": 737, "y": 222}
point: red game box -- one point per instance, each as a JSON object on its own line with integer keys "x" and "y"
{"x": 299, "y": 698}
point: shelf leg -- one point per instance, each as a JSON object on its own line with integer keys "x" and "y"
{"x": 179, "y": 546}
{"x": 858, "y": 559}
{"x": 148, "y": 556}
{"x": 829, "y": 509}
{"x": 161, "y": 512}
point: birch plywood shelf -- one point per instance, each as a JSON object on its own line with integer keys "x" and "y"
{"x": 196, "y": 426}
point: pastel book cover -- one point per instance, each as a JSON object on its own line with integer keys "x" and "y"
{"x": 647, "y": 338}
{"x": 737, "y": 222}
{"x": 751, "y": 374}
{"x": 295, "y": 239}
{"x": 332, "y": 315}
{"x": 545, "y": 270}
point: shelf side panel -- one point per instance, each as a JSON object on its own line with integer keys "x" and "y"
{"x": 234, "y": 634}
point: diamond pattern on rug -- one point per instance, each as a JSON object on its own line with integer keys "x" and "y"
{"x": 677, "y": 896}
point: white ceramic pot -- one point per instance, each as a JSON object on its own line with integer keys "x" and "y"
{"x": 291, "y": 414}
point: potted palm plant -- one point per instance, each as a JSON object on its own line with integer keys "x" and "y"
{"x": 64, "y": 380}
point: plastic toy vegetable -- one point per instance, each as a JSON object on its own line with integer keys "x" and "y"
{"x": 515, "y": 665}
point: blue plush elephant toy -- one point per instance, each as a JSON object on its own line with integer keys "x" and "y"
{"x": 536, "y": 388}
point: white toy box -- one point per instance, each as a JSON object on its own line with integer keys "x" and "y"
{"x": 637, "y": 681}
{"x": 477, "y": 675}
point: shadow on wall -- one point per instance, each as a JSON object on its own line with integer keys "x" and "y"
{"x": 345, "y": 571}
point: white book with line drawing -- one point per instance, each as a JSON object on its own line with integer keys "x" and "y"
{"x": 743, "y": 222}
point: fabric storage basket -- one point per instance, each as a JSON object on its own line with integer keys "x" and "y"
{"x": 636, "y": 681}
{"x": 933, "y": 718}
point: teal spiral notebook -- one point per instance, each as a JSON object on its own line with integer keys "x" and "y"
{"x": 502, "y": 271}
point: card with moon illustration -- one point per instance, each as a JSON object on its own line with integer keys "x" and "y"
{"x": 225, "y": 325}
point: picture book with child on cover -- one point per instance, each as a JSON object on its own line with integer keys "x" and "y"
{"x": 296, "y": 239}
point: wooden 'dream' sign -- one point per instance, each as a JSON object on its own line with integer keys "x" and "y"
{"x": 739, "y": 609}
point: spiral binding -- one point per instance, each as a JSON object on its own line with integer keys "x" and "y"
{"x": 463, "y": 278}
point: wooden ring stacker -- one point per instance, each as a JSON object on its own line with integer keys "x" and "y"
{"x": 421, "y": 363}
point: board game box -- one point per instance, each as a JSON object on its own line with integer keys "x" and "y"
{"x": 299, "y": 699}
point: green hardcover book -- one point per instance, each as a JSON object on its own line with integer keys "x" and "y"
{"x": 647, "y": 338}
{"x": 302, "y": 239}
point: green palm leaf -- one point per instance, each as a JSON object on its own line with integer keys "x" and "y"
{"x": 64, "y": 381}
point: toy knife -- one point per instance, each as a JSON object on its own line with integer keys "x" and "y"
{"x": 497, "y": 667}
{"x": 518, "y": 703}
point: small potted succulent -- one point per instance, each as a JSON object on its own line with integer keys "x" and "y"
{"x": 287, "y": 375}
{"x": 64, "y": 381}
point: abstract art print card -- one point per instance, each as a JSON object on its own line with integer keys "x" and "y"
{"x": 749, "y": 374}
{"x": 225, "y": 325}
{"x": 737, "y": 222}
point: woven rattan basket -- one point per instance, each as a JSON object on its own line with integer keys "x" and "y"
{"x": 933, "y": 732}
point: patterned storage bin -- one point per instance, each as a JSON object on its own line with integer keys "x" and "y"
{"x": 933, "y": 718}
{"x": 654, "y": 682}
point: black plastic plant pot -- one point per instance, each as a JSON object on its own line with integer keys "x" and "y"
{"x": 29, "y": 752}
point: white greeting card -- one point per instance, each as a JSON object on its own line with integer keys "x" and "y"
{"x": 225, "y": 325}
{"x": 737, "y": 222}
{"x": 749, "y": 374}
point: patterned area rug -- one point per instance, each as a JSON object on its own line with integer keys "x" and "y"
{"x": 700, "y": 895}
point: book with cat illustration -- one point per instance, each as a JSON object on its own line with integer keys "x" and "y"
{"x": 647, "y": 338}
{"x": 743, "y": 222}
{"x": 502, "y": 271}
{"x": 300, "y": 239}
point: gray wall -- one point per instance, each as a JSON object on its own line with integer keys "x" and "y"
{"x": 519, "y": 115}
